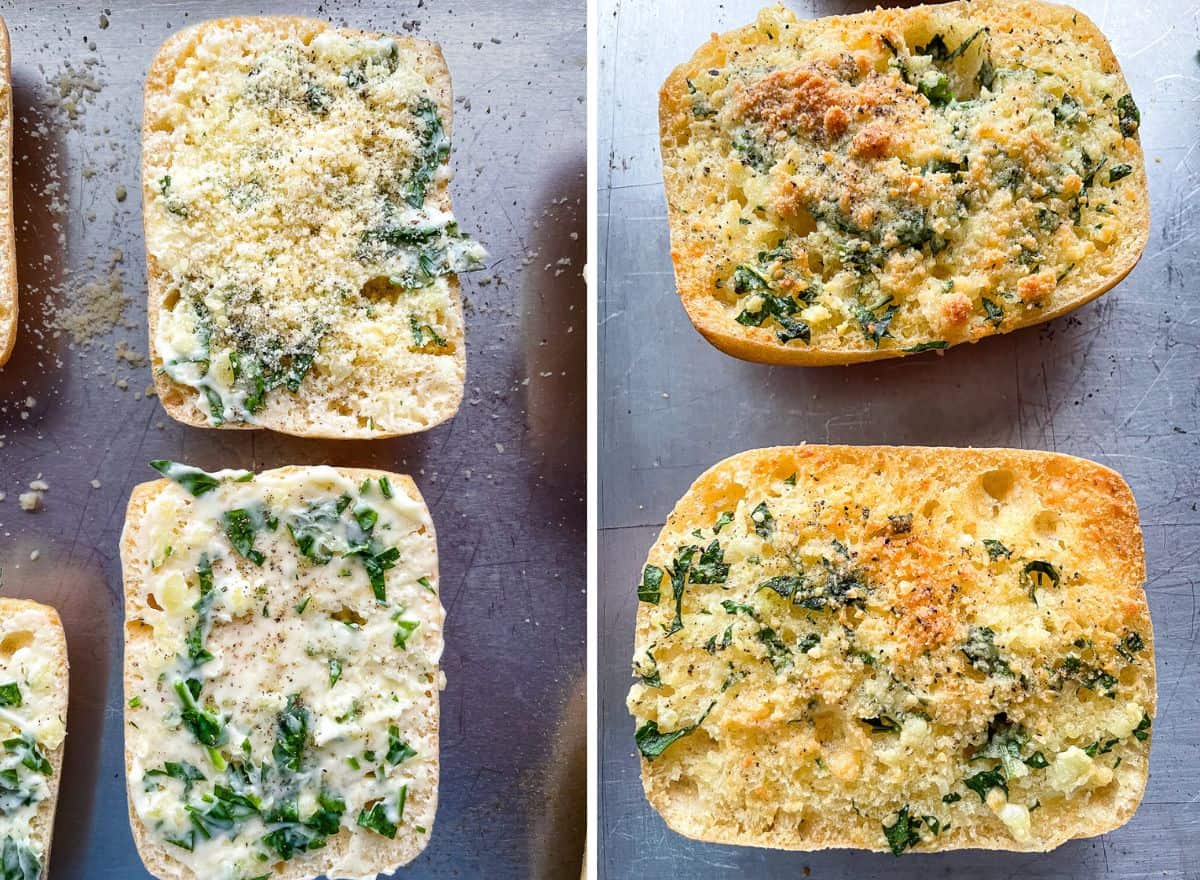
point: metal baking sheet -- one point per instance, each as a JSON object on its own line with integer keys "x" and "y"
{"x": 1118, "y": 381}
{"x": 504, "y": 479}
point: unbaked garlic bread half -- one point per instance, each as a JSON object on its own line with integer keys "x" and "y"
{"x": 33, "y": 729}
{"x": 283, "y": 635}
{"x": 889, "y": 648}
{"x": 301, "y": 250}
{"x": 868, "y": 186}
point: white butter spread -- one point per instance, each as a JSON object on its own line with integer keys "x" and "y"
{"x": 283, "y": 671}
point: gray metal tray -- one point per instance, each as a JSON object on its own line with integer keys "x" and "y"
{"x": 1117, "y": 381}
{"x": 504, "y": 479}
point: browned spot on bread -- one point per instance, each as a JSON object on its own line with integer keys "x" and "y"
{"x": 871, "y": 143}
{"x": 1036, "y": 287}
{"x": 955, "y": 309}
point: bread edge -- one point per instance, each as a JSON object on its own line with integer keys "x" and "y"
{"x": 8, "y": 235}
{"x": 162, "y": 69}
{"x": 690, "y": 507}
{"x": 148, "y": 850}
{"x": 695, "y": 296}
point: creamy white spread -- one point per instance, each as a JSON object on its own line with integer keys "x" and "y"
{"x": 283, "y": 670}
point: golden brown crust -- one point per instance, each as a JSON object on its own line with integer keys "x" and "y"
{"x": 152, "y": 852}
{"x": 696, "y": 258}
{"x": 930, "y": 593}
{"x": 8, "y": 238}
{"x": 178, "y": 400}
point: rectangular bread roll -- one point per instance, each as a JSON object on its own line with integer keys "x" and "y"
{"x": 301, "y": 249}
{"x": 34, "y": 684}
{"x": 283, "y": 635}
{"x": 894, "y": 648}
{"x": 869, "y": 186}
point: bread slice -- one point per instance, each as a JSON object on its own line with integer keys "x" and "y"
{"x": 8, "y": 236}
{"x": 300, "y": 246}
{"x": 896, "y": 648}
{"x": 301, "y": 605}
{"x": 869, "y": 186}
{"x": 34, "y": 683}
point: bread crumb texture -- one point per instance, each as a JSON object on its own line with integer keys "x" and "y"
{"x": 301, "y": 247}
{"x": 896, "y": 649}
{"x": 33, "y": 719}
{"x": 283, "y": 635}
{"x": 874, "y": 185}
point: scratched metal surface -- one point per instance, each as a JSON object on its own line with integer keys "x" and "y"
{"x": 504, "y": 479}
{"x": 1116, "y": 382}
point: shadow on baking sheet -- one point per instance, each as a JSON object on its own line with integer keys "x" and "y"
{"x": 74, "y": 587}
{"x": 38, "y": 215}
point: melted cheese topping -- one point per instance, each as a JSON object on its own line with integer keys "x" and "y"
{"x": 293, "y": 199}
{"x": 820, "y": 650}
{"x": 32, "y": 727}
{"x": 900, "y": 179}
{"x": 302, "y": 636}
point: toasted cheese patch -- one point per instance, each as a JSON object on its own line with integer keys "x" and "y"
{"x": 282, "y": 672}
{"x": 834, "y": 648}
{"x": 902, "y": 180}
{"x": 33, "y": 717}
{"x": 303, "y": 251}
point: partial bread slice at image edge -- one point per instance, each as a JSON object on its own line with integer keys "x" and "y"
{"x": 8, "y": 238}
{"x": 179, "y": 400}
{"x": 46, "y": 631}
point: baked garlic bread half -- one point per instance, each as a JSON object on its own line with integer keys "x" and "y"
{"x": 283, "y": 635}
{"x": 301, "y": 250}
{"x": 33, "y": 729}
{"x": 869, "y": 186}
{"x": 889, "y": 648}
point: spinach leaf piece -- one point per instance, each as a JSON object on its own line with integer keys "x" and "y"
{"x": 1036, "y": 574}
{"x": 18, "y": 862}
{"x": 10, "y": 694}
{"x": 652, "y": 742}
{"x": 903, "y": 833}
{"x": 981, "y": 651}
{"x": 29, "y": 752}
{"x": 291, "y": 735}
{"x": 204, "y": 726}
{"x": 984, "y": 781}
{"x": 433, "y": 148}
{"x": 194, "y": 480}
{"x": 996, "y": 550}
{"x": 935, "y": 345}
{"x": 777, "y": 651}
{"x": 763, "y": 521}
{"x": 398, "y": 750}
{"x": 649, "y": 590}
{"x": 1128, "y": 115}
{"x": 240, "y": 528}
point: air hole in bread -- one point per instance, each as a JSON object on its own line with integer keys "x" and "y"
{"x": 170, "y": 300}
{"x": 14, "y": 642}
{"x": 152, "y": 601}
{"x": 381, "y": 288}
{"x": 997, "y": 483}
{"x": 929, "y": 508}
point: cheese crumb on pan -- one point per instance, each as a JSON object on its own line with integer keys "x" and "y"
{"x": 899, "y": 181}
{"x": 283, "y": 639}
{"x": 896, "y": 649}
{"x": 301, "y": 245}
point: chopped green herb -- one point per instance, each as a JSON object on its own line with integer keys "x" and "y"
{"x": 1128, "y": 116}
{"x": 764, "y": 522}
{"x": 1038, "y": 573}
{"x": 335, "y": 670}
{"x": 194, "y": 480}
{"x": 935, "y": 345}
{"x": 984, "y": 781}
{"x": 10, "y": 694}
{"x": 902, "y": 834}
{"x": 996, "y": 550}
{"x": 651, "y": 742}
{"x": 398, "y": 750}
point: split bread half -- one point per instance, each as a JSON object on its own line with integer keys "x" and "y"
{"x": 869, "y": 186}
{"x": 283, "y": 635}
{"x": 301, "y": 250}
{"x": 34, "y": 684}
{"x": 8, "y": 235}
{"x": 893, "y": 648}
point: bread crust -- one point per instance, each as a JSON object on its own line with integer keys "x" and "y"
{"x": 692, "y": 256}
{"x": 154, "y": 855}
{"x": 1095, "y": 493}
{"x": 178, "y": 400}
{"x": 8, "y": 236}
{"x": 44, "y": 819}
